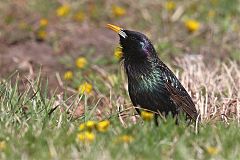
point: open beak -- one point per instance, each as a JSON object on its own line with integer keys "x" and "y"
{"x": 117, "y": 30}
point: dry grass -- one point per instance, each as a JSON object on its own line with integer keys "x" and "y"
{"x": 215, "y": 88}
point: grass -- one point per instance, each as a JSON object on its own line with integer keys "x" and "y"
{"x": 32, "y": 129}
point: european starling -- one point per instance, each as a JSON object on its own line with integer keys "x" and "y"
{"x": 151, "y": 84}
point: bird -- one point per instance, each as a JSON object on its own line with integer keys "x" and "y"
{"x": 151, "y": 84}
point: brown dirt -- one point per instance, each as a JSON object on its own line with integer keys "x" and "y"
{"x": 30, "y": 53}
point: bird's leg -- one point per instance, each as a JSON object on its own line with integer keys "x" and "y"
{"x": 188, "y": 119}
{"x": 176, "y": 121}
{"x": 175, "y": 116}
{"x": 138, "y": 111}
{"x": 156, "y": 119}
{"x": 189, "y": 122}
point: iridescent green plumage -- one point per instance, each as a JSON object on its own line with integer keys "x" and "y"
{"x": 152, "y": 85}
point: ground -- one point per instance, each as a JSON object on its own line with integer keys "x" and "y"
{"x": 39, "y": 54}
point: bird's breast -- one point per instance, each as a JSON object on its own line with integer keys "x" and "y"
{"x": 142, "y": 80}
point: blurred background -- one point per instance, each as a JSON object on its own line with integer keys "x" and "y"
{"x": 67, "y": 37}
{"x": 59, "y": 67}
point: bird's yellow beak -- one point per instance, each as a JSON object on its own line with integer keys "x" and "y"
{"x": 114, "y": 28}
{"x": 117, "y": 29}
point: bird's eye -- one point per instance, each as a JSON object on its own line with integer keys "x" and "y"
{"x": 142, "y": 44}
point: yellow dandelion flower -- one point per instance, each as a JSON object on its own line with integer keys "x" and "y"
{"x": 125, "y": 139}
{"x": 81, "y": 62}
{"x": 43, "y": 22}
{"x": 41, "y": 34}
{"x": 68, "y": 75}
{"x": 85, "y": 88}
{"x": 103, "y": 126}
{"x": 212, "y": 150}
{"x": 81, "y": 127}
{"x": 147, "y": 116}
{"x": 90, "y": 125}
{"x": 79, "y": 16}
{"x": 63, "y": 10}
{"x": 170, "y": 5}
{"x": 118, "y": 52}
{"x": 2, "y": 145}
{"x": 118, "y": 11}
{"x": 85, "y": 136}
{"x": 192, "y": 25}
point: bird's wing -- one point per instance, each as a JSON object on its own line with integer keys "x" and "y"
{"x": 182, "y": 100}
{"x": 177, "y": 92}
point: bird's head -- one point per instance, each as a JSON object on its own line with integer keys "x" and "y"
{"x": 134, "y": 44}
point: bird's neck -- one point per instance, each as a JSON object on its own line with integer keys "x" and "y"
{"x": 136, "y": 68}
